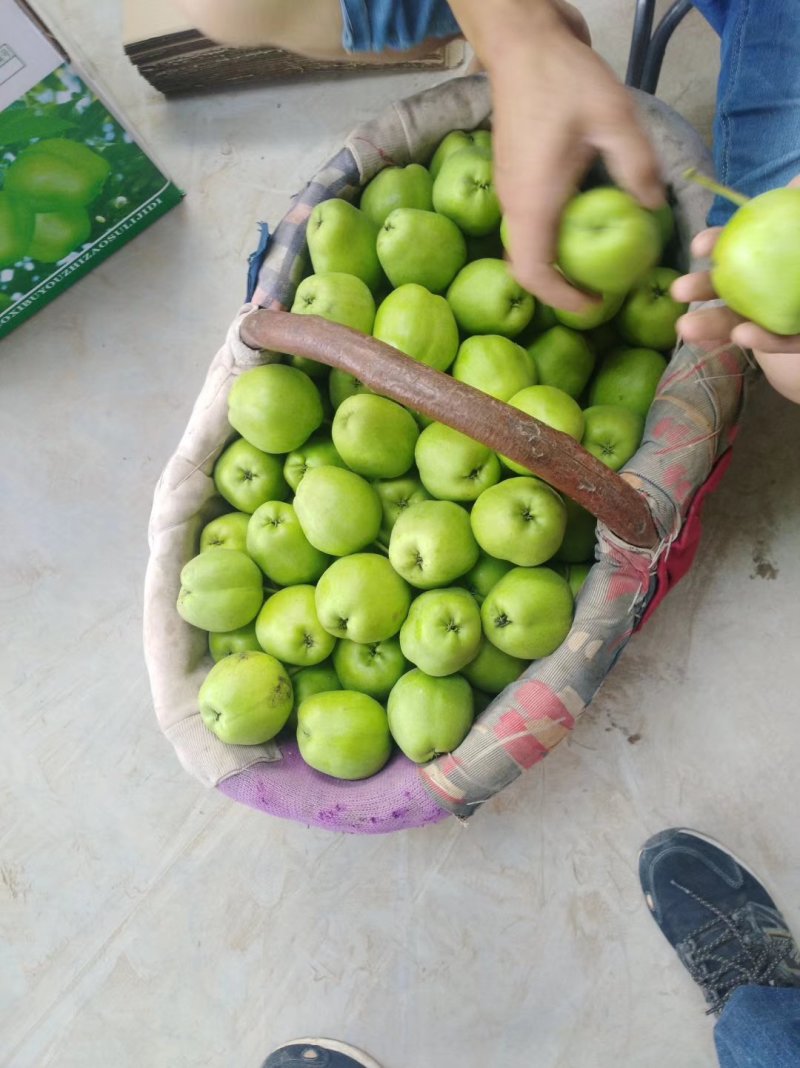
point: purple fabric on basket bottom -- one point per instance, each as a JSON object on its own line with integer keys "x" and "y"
{"x": 393, "y": 800}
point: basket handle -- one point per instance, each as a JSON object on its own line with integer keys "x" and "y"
{"x": 553, "y": 456}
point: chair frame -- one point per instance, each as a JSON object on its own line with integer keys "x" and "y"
{"x": 649, "y": 46}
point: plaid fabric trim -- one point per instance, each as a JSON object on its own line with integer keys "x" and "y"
{"x": 287, "y": 258}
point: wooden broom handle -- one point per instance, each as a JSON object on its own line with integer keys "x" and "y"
{"x": 548, "y": 453}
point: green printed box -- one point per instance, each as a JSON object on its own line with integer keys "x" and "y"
{"x": 74, "y": 183}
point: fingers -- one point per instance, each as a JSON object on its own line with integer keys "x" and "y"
{"x": 720, "y": 323}
{"x": 629, "y": 156}
{"x": 703, "y": 243}
{"x": 532, "y": 260}
{"x": 750, "y": 336}
{"x": 691, "y": 287}
{"x": 708, "y": 324}
{"x": 533, "y": 191}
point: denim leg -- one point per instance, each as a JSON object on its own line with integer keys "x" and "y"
{"x": 374, "y": 25}
{"x": 757, "y": 121}
{"x": 760, "y": 1028}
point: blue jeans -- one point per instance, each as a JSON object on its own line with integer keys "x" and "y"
{"x": 757, "y": 121}
{"x": 374, "y": 25}
{"x": 760, "y": 1028}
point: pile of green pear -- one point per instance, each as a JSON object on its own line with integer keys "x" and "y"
{"x": 374, "y": 578}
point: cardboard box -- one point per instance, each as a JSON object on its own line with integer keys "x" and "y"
{"x": 175, "y": 58}
{"x": 75, "y": 185}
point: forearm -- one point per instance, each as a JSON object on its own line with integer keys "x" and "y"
{"x": 313, "y": 27}
{"x": 493, "y": 28}
{"x": 307, "y": 27}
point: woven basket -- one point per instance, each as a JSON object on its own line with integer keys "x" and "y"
{"x": 650, "y": 513}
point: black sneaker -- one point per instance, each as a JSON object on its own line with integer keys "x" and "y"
{"x": 720, "y": 920}
{"x": 318, "y": 1053}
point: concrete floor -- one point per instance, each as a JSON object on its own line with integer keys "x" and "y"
{"x": 149, "y": 924}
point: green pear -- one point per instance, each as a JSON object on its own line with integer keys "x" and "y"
{"x": 607, "y": 241}
{"x": 580, "y": 536}
{"x": 229, "y": 642}
{"x": 420, "y": 324}
{"x": 396, "y": 495}
{"x": 371, "y": 667}
{"x": 494, "y": 364}
{"x": 612, "y": 433}
{"x": 628, "y": 377}
{"x": 274, "y": 407}
{"x": 338, "y": 510}
{"x": 275, "y": 540}
{"x": 341, "y": 298}
{"x": 551, "y": 406}
{"x": 756, "y": 261}
{"x": 342, "y": 238}
{"x": 429, "y": 716}
{"x": 528, "y": 613}
{"x": 432, "y": 544}
{"x": 666, "y": 223}
{"x": 487, "y": 299}
{"x": 344, "y": 734}
{"x": 492, "y": 669}
{"x": 321, "y": 678}
{"x": 361, "y": 597}
{"x": 520, "y": 519}
{"x": 397, "y": 187}
{"x": 442, "y": 631}
{"x": 289, "y": 628}
{"x": 453, "y": 466}
{"x": 649, "y": 314}
{"x": 317, "y": 451}
{"x": 227, "y": 531}
{"x": 577, "y": 575}
{"x": 247, "y": 477}
{"x": 457, "y": 141}
{"x": 595, "y": 315}
{"x": 375, "y": 436}
{"x": 464, "y": 191}
{"x": 563, "y": 359}
{"x": 221, "y": 589}
{"x": 246, "y": 698}
{"x": 421, "y": 246}
{"x": 341, "y": 384}
{"x": 481, "y": 578}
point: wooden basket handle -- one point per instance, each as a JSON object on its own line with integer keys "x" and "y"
{"x": 553, "y": 456}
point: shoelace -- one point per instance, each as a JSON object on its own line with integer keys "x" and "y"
{"x": 756, "y": 965}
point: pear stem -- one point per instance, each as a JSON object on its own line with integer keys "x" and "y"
{"x": 693, "y": 175}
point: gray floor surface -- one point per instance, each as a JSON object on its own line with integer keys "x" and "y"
{"x": 147, "y": 922}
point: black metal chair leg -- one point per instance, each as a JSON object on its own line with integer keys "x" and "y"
{"x": 659, "y": 41}
{"x": 647, "y": 46}
{"x": 640, "y": 41}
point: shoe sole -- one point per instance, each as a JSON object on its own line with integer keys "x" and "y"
{"x": 331, "y": 1044}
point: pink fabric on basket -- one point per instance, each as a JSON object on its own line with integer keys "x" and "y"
{"x": 292, "y": 790}
{"x": 677, "y": 561}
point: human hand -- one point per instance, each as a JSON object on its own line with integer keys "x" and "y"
{"x": 556, "y": 105}
{"x": 778, "y": 355}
